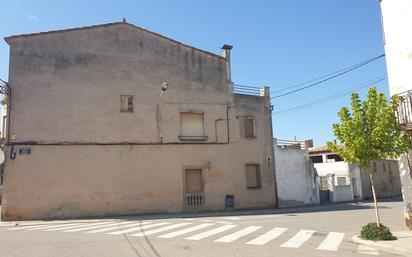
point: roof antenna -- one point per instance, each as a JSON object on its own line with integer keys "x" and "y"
{"x": 124, "y": 19}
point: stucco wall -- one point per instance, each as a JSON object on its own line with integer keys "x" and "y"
{"x": 397, "y": 21}
{"x": 89, "y": 159}
{"x": 387, "y": 180}
{"x": 295, "y": 176}
{"x": 71, "y": 181}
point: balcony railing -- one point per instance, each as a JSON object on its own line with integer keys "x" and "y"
{"x": 248, "y": 90}
{"x": 404, "y": 113}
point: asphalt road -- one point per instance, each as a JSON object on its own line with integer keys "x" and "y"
{"x": 311, "y": 231}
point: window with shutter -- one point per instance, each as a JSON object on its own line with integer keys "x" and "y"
{"x": 249, "y": 127}
{"x": 194, "y": 181}
{"x": 191, "y": 126}
{"x": 252, "y": 176}
{"x": 126, "y": 103}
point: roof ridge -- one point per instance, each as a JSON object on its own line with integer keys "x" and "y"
{"x": 8, "y": 38}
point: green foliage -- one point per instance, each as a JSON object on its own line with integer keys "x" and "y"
{"x": 370, "y": 131}
{"x": 374, "y": 232}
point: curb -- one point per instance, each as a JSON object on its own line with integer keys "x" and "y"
{"x": 393, "y": 249}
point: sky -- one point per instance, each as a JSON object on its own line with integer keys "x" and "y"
{"x": 276, "y": 44}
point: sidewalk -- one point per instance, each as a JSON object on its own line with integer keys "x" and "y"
{"x": 402, "y": 246}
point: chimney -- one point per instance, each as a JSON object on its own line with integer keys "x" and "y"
{"x": 308, "y": 143}
{"x": 226, "y": 55}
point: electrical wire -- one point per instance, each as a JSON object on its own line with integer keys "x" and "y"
{"x": 325, "y": 77}
{"x": 332, "y": 97}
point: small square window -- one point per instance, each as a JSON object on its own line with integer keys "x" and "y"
{"x": 249, "y": 127}
{"x": 126, "y": 103}
{"x": 253, "y": 176}
{"x": 341, "y": 181}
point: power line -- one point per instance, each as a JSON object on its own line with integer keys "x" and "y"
{"x": 326, "y": 77}
{"x": 326, "y": 99}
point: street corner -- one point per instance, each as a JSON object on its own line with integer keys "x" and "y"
{"x": 401, "y": 246}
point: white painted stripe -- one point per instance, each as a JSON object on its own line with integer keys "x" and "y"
{"x": 267, "y": 237}
{"x": 118, "y": 227}
{"x": 205, "y": 220}
{"x": 27, "y": 227}
{"x": 94, "y": 226}
{"x": 186, "y": 230}
{"x": 363, "y": 249}
{"x": 211, "y": 232}
{"x": 158, "y": 230}
{"x": 297, "y": 240}
{"x": 235, "y": 236}
{"x": 76, "y": 226}
{"x": 232, "y": 218}
{"x": 332, "y": 241}
{"x": 224, "y": 222}
{"x": 56, "y": 226}
{"x": 138, "y": 227}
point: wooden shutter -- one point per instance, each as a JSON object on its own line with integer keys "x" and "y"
{"x": 249, "y": 127}
{"x": 193, "y": 181}
{"x": 252, "y": 176}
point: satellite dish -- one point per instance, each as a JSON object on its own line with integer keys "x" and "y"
{"x": 1, "y": 157}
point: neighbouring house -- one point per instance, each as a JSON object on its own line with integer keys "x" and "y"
{"x": 297, "y": 182}
{"x": 340, "y": 181}
{"x": 114, "y": 119}
{"x": 396, "y": 23}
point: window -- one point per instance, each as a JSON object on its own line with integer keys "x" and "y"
{"x": 384, "y": 166}
{"x": 374, "y": 167}
{"x": 253, "y": 176}
{"x": 194, "y": 181}
{"x": 341, "y": 181}
{"x": 126, "y": 103}
{"x": 191, "y": 126}
{"x": 324, "y": 184}
{"x": 249, "y": 127}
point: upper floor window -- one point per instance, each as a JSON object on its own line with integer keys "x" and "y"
{"x": 249, "y": 127}
{"x": 191, "y": 126}
{"x": 126, "y": 103}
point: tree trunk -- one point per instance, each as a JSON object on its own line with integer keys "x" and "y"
{"x": 375, "y": 201}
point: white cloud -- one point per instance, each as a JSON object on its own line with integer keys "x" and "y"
{"x": 32, "y": 17}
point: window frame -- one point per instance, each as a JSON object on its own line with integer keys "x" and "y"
{"x": 127, "y": 109}
{"x": 258, "y": 176}
{"x": 341, "y": 177}
{"x": 201, "y": 137}
{"x": 244, "y": 127}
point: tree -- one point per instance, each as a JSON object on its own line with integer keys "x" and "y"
{"x": 369, "y": 133}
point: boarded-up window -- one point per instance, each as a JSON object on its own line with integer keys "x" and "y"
{"x": 194, "y": 181}
{"x": 341, "y": 181}
{"x": 252, "y": 176}
{"x": 126, "y": 103}
{"x": 191, "y": 124}
{"x": 249, "y": 127}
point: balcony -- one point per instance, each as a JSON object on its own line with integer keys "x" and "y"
{"x": 404, "y": 113}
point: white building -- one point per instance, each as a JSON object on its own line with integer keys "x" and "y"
{"x": 340, "y": 181}
{"x": 397, "y": 24}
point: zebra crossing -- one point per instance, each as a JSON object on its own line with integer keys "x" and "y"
{"x": 220, "y": 233}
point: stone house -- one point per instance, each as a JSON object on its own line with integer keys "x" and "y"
{"x": 89, "y": 132}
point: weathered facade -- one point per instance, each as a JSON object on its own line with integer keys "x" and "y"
{"x": 397, "y": 22}
{"x": 89, "y": 133}
{"x": 296, "y": 178}
{"x": 349, "y": 182}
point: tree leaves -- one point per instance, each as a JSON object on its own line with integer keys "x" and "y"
{"x": 370, "y": 131}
